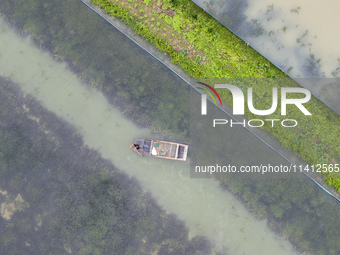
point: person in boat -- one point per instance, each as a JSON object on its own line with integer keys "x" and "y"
{"x": 136, "y": 148}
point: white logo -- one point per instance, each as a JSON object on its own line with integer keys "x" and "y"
{"x": 238, "y": 100}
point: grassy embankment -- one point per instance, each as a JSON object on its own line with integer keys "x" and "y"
{"x": 205, "y": 49}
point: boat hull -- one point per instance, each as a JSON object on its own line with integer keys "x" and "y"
{"x": 162, "y": 149}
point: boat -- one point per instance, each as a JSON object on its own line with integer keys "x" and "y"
{"x": 162, "y": 149}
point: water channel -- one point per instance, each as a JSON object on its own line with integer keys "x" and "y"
{"x": 205, "y": 208}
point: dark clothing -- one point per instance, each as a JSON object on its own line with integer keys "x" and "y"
{"x": 136, "y": 146}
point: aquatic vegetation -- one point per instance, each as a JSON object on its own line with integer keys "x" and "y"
{"x": 71, "y": 199}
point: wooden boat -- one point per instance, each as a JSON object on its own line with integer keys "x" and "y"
{"x": 162, "y": 149}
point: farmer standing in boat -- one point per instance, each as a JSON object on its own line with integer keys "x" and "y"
{"x": 136, "y": 148}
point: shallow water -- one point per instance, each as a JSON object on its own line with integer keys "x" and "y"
{"x": 9, "y": 204}
{"x": 301, "y": 29}
{"x": 204, "y": 207}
